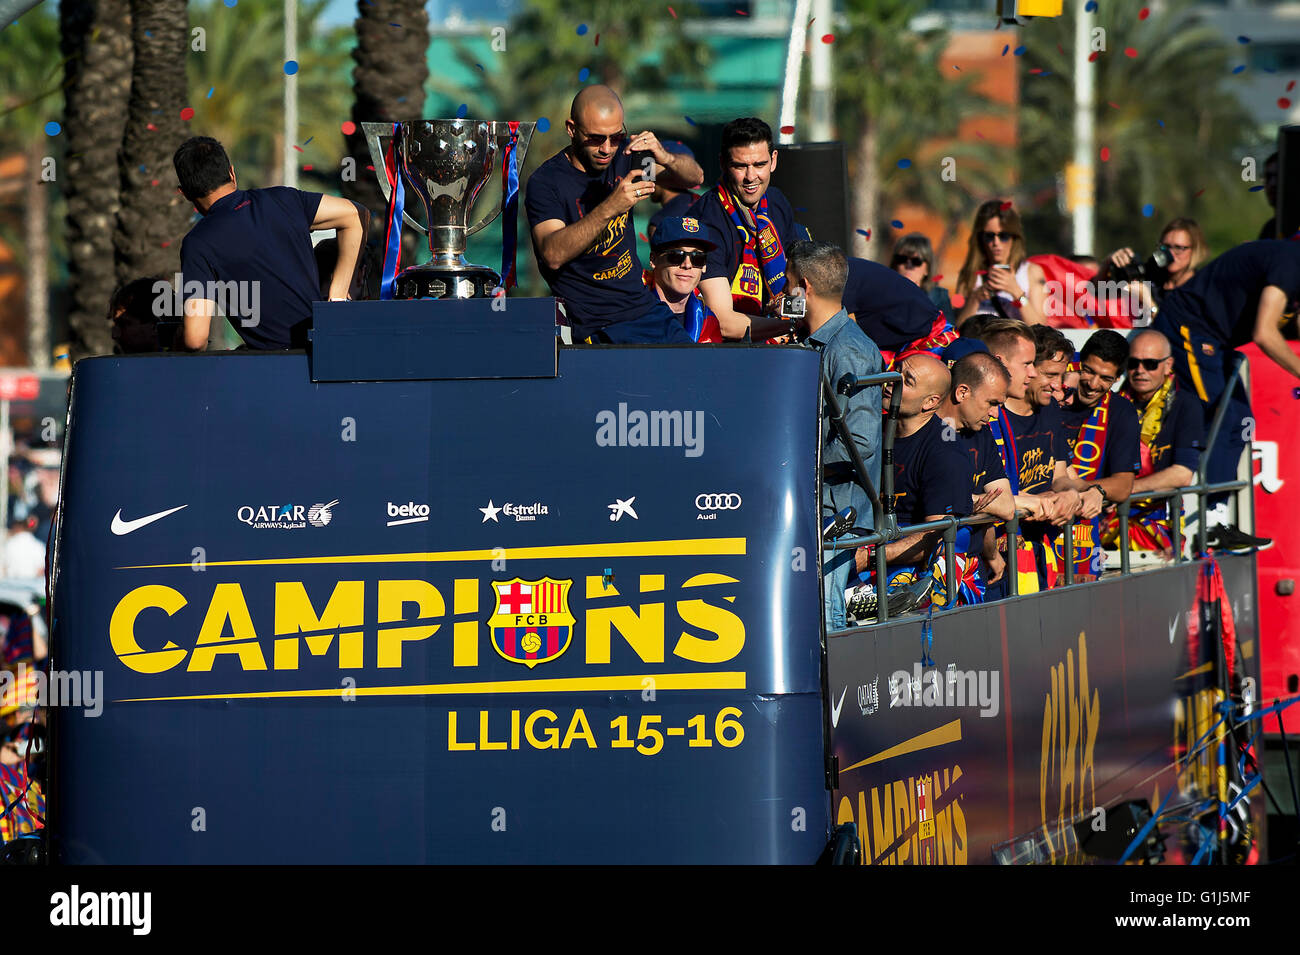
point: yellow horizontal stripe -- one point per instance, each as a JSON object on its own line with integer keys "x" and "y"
{"x": 731, "y": 680}
{"x": 948, "y": 733}
{"x": 702, "y": 547}
{"x": 1203, "y": 668}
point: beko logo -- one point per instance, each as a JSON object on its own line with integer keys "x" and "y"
{"x": 408, "y": 513}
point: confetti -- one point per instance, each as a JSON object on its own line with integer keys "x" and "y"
{"x": 1243, "y": 39}
{"x": 211, "y": 90}
{"x": 306, "y": 168}
{"x": 1198, "y": 194}
{"x": 742, "y": 13}
{"x": 1268, "y": 70}
{"x": 543, "y": 124}
{"x": 230, "y": 3}
{"x": 165, "y": 244}
{"x": 689, "y": 120}
{"x": 1283, "y": 103}
{"x": 828, "y": 37}
{"x": 641, "y": 235}
{"x": 956, "y": 67}
{"x": 1092, "y": 57}
{"x": 1090, "y": 6}
{"x": 297, "y": 147}
{"x": 1036, "y": 72}
{"x": 149, "y": 34}
{"x": 582, "y": 29}
{"x": 936, "y": 278}
{"x": 1238, "y": 69}
{"x": 154, "y": 182}
{"x": 1018, "y": 51}
{"x": 1112, "y": 105}
{"x": 480, "y": 66}
{"x": 897, "y": 224}
{"x": 348, "y": 127}
{"x": 673, "y": 12}
{"x": 1254, "y": 188}
{"x": 597, "y": 39}
{"x": 142, "y": 167}
{"x": 866, "y": 232}
{"x": 787, "y": 130}
{"x": 309, "y": 139}
{"x": 1130, "y": 52}
{"x": 290, "y": 67}
{"x": 1005, "y": 205}
{"x": 187, "y": 114}
{"x": 397, "y": 25}
{"x": 1160, "y": 123}
{"x": 1060, "y": 49}
{"x": 583, "y": 74}
{"x": 1105, "y": 154}
{"x": 904, "y": 163}
{"x": 1005, "y": 49}
{"x": 1290, "y": 86}
{"x": 462, "y": 110}
{"x": 1148, "y": 210}
{"x": 1144, "y": 13}
{"x": 151, "y": 127}
{"x": 52, "y": 128}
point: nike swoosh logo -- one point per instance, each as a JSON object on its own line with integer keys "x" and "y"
{"x": 1173, "y": 629}
{"x": 120, "y": 527}
{"x": 835, "y": 708}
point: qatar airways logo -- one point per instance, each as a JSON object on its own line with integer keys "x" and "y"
{"x": 651, "y": 429}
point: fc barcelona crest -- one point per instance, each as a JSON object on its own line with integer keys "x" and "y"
{"x": 531, "y": 623}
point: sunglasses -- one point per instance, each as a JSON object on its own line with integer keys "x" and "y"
{"x": 1150, "y": 364}
{"x": 999, "y": 236}
{"x": 1179, "y": 248}
{"x": 911, "y": 261}
{"x": 676, "y": 257}
{"x": 591, "y": 139}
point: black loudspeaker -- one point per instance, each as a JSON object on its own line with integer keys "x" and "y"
{"x": 1288, "y": 180}
{"x": 814, "y": 177}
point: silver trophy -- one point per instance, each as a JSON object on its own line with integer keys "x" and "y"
{"x": 445, "y": 162}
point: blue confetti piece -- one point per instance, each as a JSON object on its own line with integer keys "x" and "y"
{"x": 461, "y": 111}
{"x": 52, "y": 128}
{"x": 1267, "y": 70}
{"x": 1238, "y": 69}
{"x": 1255, "y": 188}
{"x": 1005, "y": 48}
{"x": 211, "y": 90}
{"x": 689, "y": 120}
{"x": 896, "y": 223}
{"x": 309, "y": 139}
{"x": 290, "y": 67}
{"x": 392, "y": 24}
{"x": 230, "y": 3}
{"x": 904, "y": 163}
{"x": 866, "y": 232}
{"x": 1160, "y": 123}
{"x": 1243, "y": 39}
{"x": 582, "y": 29}
{"x": 1019, "y": 51}
{"x": 1148, "y": 210}
{"x": 583, "y": 74}
{"x": 142, "y": 168}
{"x": 1090, "y": 6}
{"x": 149, "y": 34}
{"x": 480, "y": 66}
{"x": 401, "y": 99}
{"x": 1045, "y": 73}
{"x": 543, "y": 124}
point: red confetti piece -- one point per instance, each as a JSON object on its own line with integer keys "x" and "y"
{"x": 306, "y": 168}
{"x": 742, "y": 13}
{"x": 1290, "y": 86}
{"x": 673, "y": 12}
{"x": 348, "y": 128}
{"x": 1006, "y": 205}
{"x": 1130, "y": 52}
{"x": 1060, "y": 49}
{"x": 297, "y": 147}
{"x": 1105, "y": 154}
{"x": 154, "y": 183}
{"x": 1283, "y": 103}
{"x": 1092, "y": 57}
{"x": 828, "y": 38}
{"x": 371, "y": 168}
{"x": 1112, "y": 105}
{"x": 979, "y": 134}
{"x": 641, "y": 235}
{"x": 1035, "y": 71}
{"x": 1198, "y": 194}
{"x": 787, "y": 129}
{"x": 151, "y": 126}
{"x": 936, "y": 278}
{"x": 165, "y": 244}
{"x": 1144, "y": 13}
{"x": 597, "y": 39}
{"x": 187, "y": 113}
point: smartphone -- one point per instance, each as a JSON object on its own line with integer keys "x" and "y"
{"x": 644, "y": 160}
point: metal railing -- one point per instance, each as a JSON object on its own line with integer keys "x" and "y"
{"x": 887, "y": 529}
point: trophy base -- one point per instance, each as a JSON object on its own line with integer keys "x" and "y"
{"x": 465, "y": 281}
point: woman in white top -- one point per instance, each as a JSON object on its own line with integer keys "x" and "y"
{"x": 997, "y": 266}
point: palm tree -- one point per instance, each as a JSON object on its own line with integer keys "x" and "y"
{"x": 96, "y": 42}
{"x": 388, "y": 86}
{"x": 29, "y": 87}
{"x": 153, "y": 219}
{"x": 1175, "y": 129}
{"x": 893, "y": 102}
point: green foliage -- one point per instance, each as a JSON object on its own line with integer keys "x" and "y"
{"x": 31, "y": 77}
{"x": 244, "y": 67}
{"x": 1175, "y": 131}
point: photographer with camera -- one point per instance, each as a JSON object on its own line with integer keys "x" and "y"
{"x": 816, "y": 273}
{"x": 1181, "y": 249}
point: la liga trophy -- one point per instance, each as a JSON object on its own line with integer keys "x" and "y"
{"x": 446, "y": 162}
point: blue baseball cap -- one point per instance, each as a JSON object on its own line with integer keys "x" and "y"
{"x": 681, "y": 229}
{"x": 676, "y": 146}
{"x": 961, "y": 348}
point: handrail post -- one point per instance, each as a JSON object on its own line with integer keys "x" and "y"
{"x": 1123, "y": 539}
{"x": 1176, "y": 525}
{"x": 1013, "y": 555}
{"x": 1069, "y": 551}
{"x": 950, "y": 562}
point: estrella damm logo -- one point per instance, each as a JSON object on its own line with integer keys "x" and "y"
{"x": 531, "y": 623}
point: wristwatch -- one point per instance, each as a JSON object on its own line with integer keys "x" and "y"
{"x": 1023, "y": 301}
{"x": 1100, "y": 490}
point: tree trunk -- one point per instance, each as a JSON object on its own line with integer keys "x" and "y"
{"x": 36, "y": 235}
{"x": 96, "y": 42}
{"x": 153, "y": 218}
{"x": 865, "y": 198}
{"x": 388, "y": 86}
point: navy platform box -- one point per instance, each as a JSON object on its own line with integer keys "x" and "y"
{"x": 431, "y": 339}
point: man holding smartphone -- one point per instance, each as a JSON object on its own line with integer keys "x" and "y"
{"x": 579, "y": 204}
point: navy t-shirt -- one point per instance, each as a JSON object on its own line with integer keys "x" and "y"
{"x": 1181, "y": 437}
{"x": 725, "y": 259}
{"x": 603, "y": 284}
{"x": 1040, "y": 443}
{"x": 984, "y": 461}
{"x": 893, "y": 310}
{"x": 1220, "y": 301}
{"x": 260, "y": 240}
{"x": 931, "y": 475}
{"x": 674, "y": 208}
{"x": 1123, "y": 434}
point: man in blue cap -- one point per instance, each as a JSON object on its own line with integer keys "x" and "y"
{"x": 678, "y": 250}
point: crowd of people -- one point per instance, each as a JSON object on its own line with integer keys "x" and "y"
{"x": 999, "y": 412}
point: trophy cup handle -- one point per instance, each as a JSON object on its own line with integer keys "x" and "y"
{"x": 501, "y": 132}
{"x": 374, "y": 132}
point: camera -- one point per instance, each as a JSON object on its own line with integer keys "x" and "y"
{"x": 1154, "y": 269}
{"x": 794, "y": 307}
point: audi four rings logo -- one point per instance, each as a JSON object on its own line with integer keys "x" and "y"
{"x": 717, "y": 502}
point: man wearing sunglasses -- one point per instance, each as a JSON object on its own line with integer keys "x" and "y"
{"x": 1172, "y": 436}
{"x": 579, "y": 204}
{"x": 677, "y": 255}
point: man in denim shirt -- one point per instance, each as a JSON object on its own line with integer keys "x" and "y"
{"x": 820, "y": 270}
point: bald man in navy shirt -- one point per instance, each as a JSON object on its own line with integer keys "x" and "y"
{"x": 252, "y": 252}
